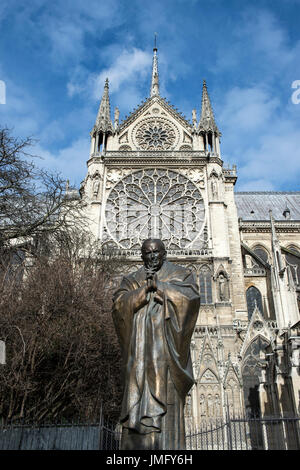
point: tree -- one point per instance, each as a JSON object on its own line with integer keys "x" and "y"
{"x": 63, "y": 358}
{"x": 32, "y": 201}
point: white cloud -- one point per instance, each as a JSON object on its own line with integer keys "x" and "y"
{"x": 264, "y": 31}
{"x": 128, "y": 74}
{"x": 70, "y": 161}
{"x": 67, "y": 24}
{"x": 66, "y": 40}
{"x": 247, "y": 109}
{"x": 130, "y": 68}
{"x": 61, "y": 27}
{"x": 21, "y": 113}
{"x": 262, "y": 137}
{"x": 277, "y": 158}
{"x": 261, "y": 44}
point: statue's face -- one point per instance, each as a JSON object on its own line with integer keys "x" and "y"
{"x": 153, "y": 255}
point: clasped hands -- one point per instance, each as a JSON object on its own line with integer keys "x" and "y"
{"x": 151, "y": 286}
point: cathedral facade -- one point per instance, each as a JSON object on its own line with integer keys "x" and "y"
{"x": 157, "y": 174}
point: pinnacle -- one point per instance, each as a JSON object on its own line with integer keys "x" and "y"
{"x": 103, "y": 121}
{"x": 207, "y": 119}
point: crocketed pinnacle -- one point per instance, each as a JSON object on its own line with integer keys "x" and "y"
{"x": 154, "y": 90}
{"x": 276, "y": 246}
{"x": 207, "y": 120}
{"x": 103, "y": 121}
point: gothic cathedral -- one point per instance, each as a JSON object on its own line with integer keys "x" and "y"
{"x": 156, "y": 174}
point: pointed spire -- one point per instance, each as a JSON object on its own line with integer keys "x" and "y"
{"x": 207, "y": 119}
{"x": 103, "y": 121}
{"x": 154, "y": 90}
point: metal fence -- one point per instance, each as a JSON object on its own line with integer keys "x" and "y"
{"x": 100, "y": 436}
{"x": 270, "y": 433}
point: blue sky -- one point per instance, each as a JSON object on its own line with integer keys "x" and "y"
{"x": 55, "y": 56}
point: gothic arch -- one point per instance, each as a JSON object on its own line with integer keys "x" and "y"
{"x": 208, "y": 376}
{"x": 294, "y": 247}
{"x": 251, "y": 370}
{"x": 257, "y": 344}
{"x": 233, "y": 387}
{"x": 125, "y": 148}
{"x": 208, "y": 390}
{"x": 214, "y": 173}
{"x": 222, "y": 279}
{"x": 292, "y": 259}
{"x": 192, "y": 267}
{"x": 254, "y": 299}
{"x": 261, "y": 251}
{"x": 185, "y": 147}
{"x": 221, "y": 270}
{"x": 205, "y": 284}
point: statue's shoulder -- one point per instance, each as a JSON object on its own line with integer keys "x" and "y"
{"x": 137, "y": 275}
{"x": 176, "y": 269}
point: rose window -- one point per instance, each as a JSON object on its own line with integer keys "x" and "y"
{"x": 156, "y": 203}
{"x": 155, "y": 137}
{"x": 155, "y": 134}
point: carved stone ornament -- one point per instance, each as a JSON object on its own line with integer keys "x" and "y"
{"x": 96, "y": 186}
{"x": 155, "y": 134}
{"x": 208, "y": 377}
{"x": 194, "y": 175}
{"x": 223, "y": 287}
{"x": 113, "y": 176}
{"x": 258, "y": 325}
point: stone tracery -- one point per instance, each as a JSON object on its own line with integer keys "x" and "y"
{"x": 159, "y": 203}
{"x": 155, "y": 134}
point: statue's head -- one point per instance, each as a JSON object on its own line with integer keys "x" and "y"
{"x": 153, "y": 253}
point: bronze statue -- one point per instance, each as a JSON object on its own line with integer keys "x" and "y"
{"x": 155, "y": 311}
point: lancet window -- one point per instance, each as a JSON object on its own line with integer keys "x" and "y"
{"x": 253, "y": 297}
{"x": 205, "y": 285}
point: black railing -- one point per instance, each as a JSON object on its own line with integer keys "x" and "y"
{"x": 269, "y": 433}
{"x": 90, "y": 436}
{"x": 239, "y": 433}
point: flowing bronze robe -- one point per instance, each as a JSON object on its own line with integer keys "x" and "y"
{"x": 155, "y": 341}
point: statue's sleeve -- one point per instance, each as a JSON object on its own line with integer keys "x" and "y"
{"x": 128, "y": 299}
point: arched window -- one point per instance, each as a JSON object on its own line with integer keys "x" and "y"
{"x": 253, "y": 297}
{"x": 293, "y": 261}
{"x": 294, "y": 249}
{"x": 262, "y": 253}
{"x": 251, "y": 373}
{"x": 205, "y": 285}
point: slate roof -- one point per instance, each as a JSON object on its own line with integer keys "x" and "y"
{"x": 256, "y": 205}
